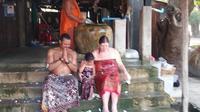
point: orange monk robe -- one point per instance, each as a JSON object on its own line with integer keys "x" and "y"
{"x": 68, "y": 24}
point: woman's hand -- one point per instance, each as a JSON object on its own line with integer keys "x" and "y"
{"x": 128, "y": 78}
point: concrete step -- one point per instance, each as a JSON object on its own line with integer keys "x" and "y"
{"x": 159, "y": 109}
{"x": 100, "y": 110}
{"x": 21, "y": 105}
{"x": 96, "y": 104}
{"x": 20, "y": 108}
{"x": 144, "y": 85}
{"x": 32, "y": 89}
{"x": 131, "y": 62}
{"x": 21, "y": 90}
{"x": 137, "y": 101}
{"x": 156, "y": 109}
{"x": 35, "y": 74}
{"x": 36, "y": 108}
{"x": 22, "y": 75}
{"x": 154, "y": 99}
{"x": 142, "y": 72}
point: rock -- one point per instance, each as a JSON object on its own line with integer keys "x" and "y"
{"x": 87, "y": 36}
{"x": 131, "y": 53}
{"x": 194, "y": 62}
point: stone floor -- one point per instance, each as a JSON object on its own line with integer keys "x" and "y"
{"x": 194, "y": 91}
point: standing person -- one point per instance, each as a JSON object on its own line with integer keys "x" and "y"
{"x": 60, "y": 90}
{"x": 70, "y": 18}
{"x": 86, "y": 74}
{"x": 107, "y": 61}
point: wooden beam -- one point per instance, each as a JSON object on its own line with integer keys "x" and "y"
{"x": 21, "y": 21}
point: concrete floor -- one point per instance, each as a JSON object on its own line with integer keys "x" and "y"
{"x": 194, "y": 91}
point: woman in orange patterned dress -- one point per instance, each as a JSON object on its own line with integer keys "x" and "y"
{"x": 70, "y": 18}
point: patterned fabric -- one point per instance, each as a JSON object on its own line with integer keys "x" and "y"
{"x": 107, "y": 76}
{"x": 60, "y": 93}
{"x": 87, "y": 84}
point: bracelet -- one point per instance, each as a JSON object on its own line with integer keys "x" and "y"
{"x": 61, "y": 59}
{"x": 68, "y": 62}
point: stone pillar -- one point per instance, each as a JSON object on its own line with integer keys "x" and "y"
{"x": 145, "y": 33}
{"x": 21, "y": 22}
{"x": 120, "y": 35}
{"x": 134, "y": 23}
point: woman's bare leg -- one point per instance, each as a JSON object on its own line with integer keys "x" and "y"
{"x": 105, "y": 98}
{"x": 91, "y": 93}
{"x": 115, "y": 98}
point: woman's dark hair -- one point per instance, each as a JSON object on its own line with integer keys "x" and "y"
{"x": 89, "y": 56}
{"x": 103, "y": 39}
{"x": 65, "y": 36}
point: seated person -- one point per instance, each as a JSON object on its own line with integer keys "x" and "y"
{"x": 60, "y": 90}
{"x": 86, "y": 74}
{"x": 107, "y": 81}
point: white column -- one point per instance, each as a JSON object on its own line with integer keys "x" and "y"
{"x": 120, "y": 35}
{"x": 145, "y": 33}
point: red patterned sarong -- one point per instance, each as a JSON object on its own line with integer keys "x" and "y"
{"x": 107, "y": 76}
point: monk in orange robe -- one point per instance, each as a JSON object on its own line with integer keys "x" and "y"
{"x": 70, "y": 18}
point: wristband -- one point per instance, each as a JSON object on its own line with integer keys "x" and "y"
{"x": 67, "y": 62}
{"x": 61, "y": 59}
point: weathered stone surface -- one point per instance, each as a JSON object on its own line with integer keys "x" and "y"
{"x": 137, "y": 73}
{"x": 145, "y": 85}
{"x": 96, "y": 104}
{"x": 20, "y": 92}
{"x": 22, "y": 77}
{"x": 87, "y": 36}
{"x": 20, "y": 108}
{"x": 146, "y": 100}
{"x": 194, "y": 62}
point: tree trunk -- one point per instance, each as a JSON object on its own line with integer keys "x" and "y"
{"x": 190, "y": 4}
{"x": 185, "y": 42}
{"x": 174, "y": 2}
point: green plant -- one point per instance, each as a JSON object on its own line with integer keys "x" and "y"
{"x": 194, "y": 16}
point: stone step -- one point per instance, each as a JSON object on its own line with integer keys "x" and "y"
{"x": 136, "y": 100}
{"x": 158, "y": 109}
{"x": 21, "y": 90}
{"x": 144, "y": 102}
{"x": 31, "y": 89}
{"x": 96, "y": 104}
{"x": 20, "y": 108}
{"x": 16, "y": 105}
{"x": 100, "y": 110}
{"x": 22, "y": 75}
{"x": 144, "y": 85}
{"x": 154, "y": 99}
{"x": 131, "y": 62}
{"x": 36, "y": 108}
{"x": 142, "y": 72}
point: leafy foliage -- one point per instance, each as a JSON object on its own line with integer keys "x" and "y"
{"x": 194, "y": 16}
